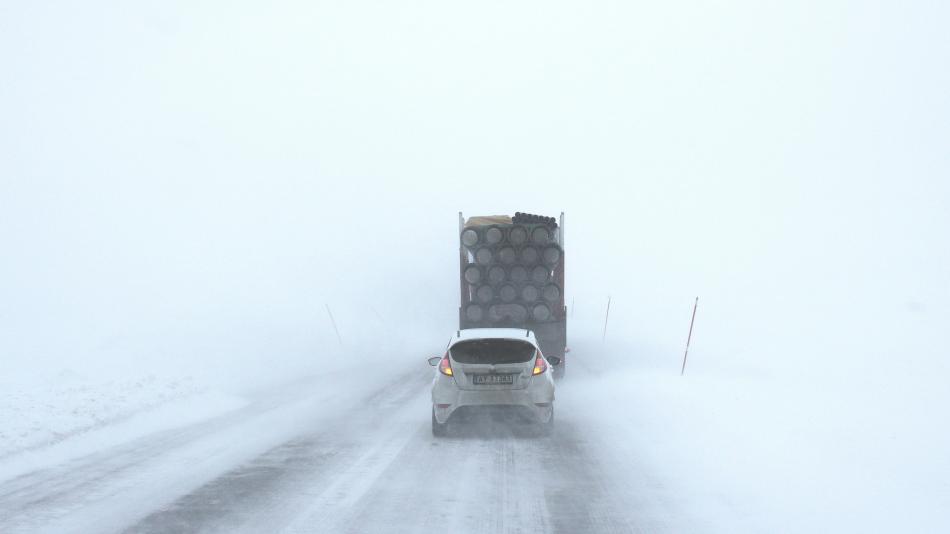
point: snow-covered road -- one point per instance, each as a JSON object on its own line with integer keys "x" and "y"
{"x": 302, "y": 460}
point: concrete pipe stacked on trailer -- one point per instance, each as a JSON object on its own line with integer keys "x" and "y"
{"x": 511, "y": 272}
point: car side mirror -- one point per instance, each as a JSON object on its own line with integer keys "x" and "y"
{"x": 433, "y": 361}
{"x": 554, "y": 360}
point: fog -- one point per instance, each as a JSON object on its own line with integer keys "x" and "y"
{"x": 188, "y": 187}
{"x": 196, "y": 182}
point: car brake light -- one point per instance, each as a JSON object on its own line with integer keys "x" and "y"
{"x": 540, "y": 365}
{"x": 445, "y": 367}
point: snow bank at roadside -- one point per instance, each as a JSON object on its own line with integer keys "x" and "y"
{"x": 47, "y": 418}
{"x": 45, "y": 410}
{"x": 845, "y": 446}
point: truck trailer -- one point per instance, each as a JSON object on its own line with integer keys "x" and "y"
{"x": 511, "y": 275}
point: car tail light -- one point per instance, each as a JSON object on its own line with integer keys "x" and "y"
{"x": 445, "y": 367}
{"x": 540, "y": 365}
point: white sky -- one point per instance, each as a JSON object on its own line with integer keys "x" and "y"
{"x": 181, "y": 177}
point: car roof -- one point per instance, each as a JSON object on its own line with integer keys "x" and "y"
{"x": 521, "y": 334}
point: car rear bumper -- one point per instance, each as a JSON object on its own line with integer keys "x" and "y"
{"x": 534, "y": 402}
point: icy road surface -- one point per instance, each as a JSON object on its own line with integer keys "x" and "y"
{"x": 304, "y": 461}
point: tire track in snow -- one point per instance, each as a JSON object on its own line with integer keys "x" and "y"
{"x": 371, "y": 466}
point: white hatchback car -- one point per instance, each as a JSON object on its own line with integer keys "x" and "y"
{"x": 489, "y": 369}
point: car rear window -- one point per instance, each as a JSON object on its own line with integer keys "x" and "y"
{"x": 492, "y": 351}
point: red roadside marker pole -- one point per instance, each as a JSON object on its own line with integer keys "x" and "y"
{"x": 690, "y": 336}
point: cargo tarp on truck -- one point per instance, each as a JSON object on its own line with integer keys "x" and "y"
{"x": 487, "y": 220}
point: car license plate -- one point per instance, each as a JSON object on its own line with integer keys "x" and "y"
{"x": 488, "y": 380}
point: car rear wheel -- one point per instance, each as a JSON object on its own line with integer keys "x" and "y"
{"x": 438, "y": 429}
{"x": 547, "y": 428}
